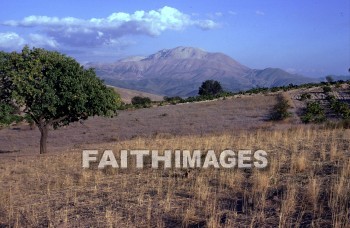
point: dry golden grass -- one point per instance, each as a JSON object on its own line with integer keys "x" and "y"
{"x": 306, "y": 184}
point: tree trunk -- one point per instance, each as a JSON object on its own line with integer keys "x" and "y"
{"x": 43, "y": 139}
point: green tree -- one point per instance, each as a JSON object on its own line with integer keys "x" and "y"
{"x": 144, "y": 102}
{"x": 8, "y": 111}
{"x": 55, "y": 90}
{"x": 6, "y": 85}
{"x": 8, "y": 114}
{"x": 210, "y": 87}
{"x": 314, "y": 113}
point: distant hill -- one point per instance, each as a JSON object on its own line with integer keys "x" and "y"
{"x": 180, "y": 72}
{"x": 128, "y": 94}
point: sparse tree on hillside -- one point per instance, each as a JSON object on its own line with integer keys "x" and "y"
{"x": 55, "y": 90}
{"x": 141, "y": 101}
{"x": 210, "y": 87}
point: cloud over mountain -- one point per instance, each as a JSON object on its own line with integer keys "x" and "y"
{"x": 105, "y": 31}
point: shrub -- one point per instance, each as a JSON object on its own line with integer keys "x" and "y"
{"x": 210, "y": 87}
{"x": 174, "y": 100}
{"x": 305, "y": 96}
{"x": 341, "y": 109}
{"x": 327, "y": 89}
{"x": 314, "y": 113}
{"x": 281, "y": 109}
{"x": 141, "y": 102}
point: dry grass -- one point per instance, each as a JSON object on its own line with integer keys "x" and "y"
{"x": 213, "y": 117}
{"x": 306, "y": 184}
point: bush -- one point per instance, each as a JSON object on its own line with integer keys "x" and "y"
{"x": 305, "y": 96}
{"x": 141, "y": 102}
{"x": 210, "y": 87}
{"x": 314, "y": 113}
{"x": 281, "y": 109}
{"x": 174, "y": 100}
{"x": 341, "y": 109}
{"x": 327, "y": 89}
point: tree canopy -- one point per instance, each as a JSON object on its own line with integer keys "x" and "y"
{"x": 53, "y": 89}
{"x": 141, "y": 101}
{"x": 210, "y": 87}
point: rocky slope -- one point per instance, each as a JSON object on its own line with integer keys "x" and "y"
{"x": 180, "y": 71}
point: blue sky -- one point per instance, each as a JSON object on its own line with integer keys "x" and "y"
{"x": 305, "y": 37}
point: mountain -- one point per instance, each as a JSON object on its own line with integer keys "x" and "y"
{"x": 180, "y": 71}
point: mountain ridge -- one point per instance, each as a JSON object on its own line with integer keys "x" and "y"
{"x": 181, "y": 70}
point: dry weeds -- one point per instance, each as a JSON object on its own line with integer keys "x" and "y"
{"x": 213, "y": 117}
{"x": 306, "y": 184}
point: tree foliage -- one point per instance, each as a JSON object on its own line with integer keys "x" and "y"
{"x": 281, "y": 109}
{"x": 8, "y": 114}
{"x": 314, "y": 113}
{"x": 55, "y": 89}
{"x": 210, "y": 87}
{"x": 327, "y": 89}
{"x": 143, "y": 102}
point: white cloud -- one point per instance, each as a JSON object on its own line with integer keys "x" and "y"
{"x": 102, "y": 31}
{"x": 206, "y": 24}
{"x": 11, "y": 41}
{"x": 219, "y": 14}
{"x": 232, "y": 12}
{"x": 260, "y": 13}
{"x": 39, "y": 40}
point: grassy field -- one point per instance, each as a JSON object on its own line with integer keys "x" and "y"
{"x": 213, "y": 117}
{"x": 306, "y": 184}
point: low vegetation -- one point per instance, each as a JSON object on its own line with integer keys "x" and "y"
{"x": 305, "y": 96}
{"x": 281, "y": 110}
{"x": 307, "y": 183}
{"x": 327, "y": 89}
{"x": 258, "y": 90}
{"x": 210, "y": 88}
{"x": 141, "y": 102}
{"x": 340, "y": 108}
{"x": 314, "y": 113}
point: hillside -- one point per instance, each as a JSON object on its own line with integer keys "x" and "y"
{"x": 128, "y": 94}
{"x": 201, "y": 118}
{"x": 180, "y": 71}
{"x": 305, "y": 184}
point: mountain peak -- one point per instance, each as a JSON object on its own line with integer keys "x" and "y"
{"x": 181, "y": 70}
{"x": 179, "y": 53}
